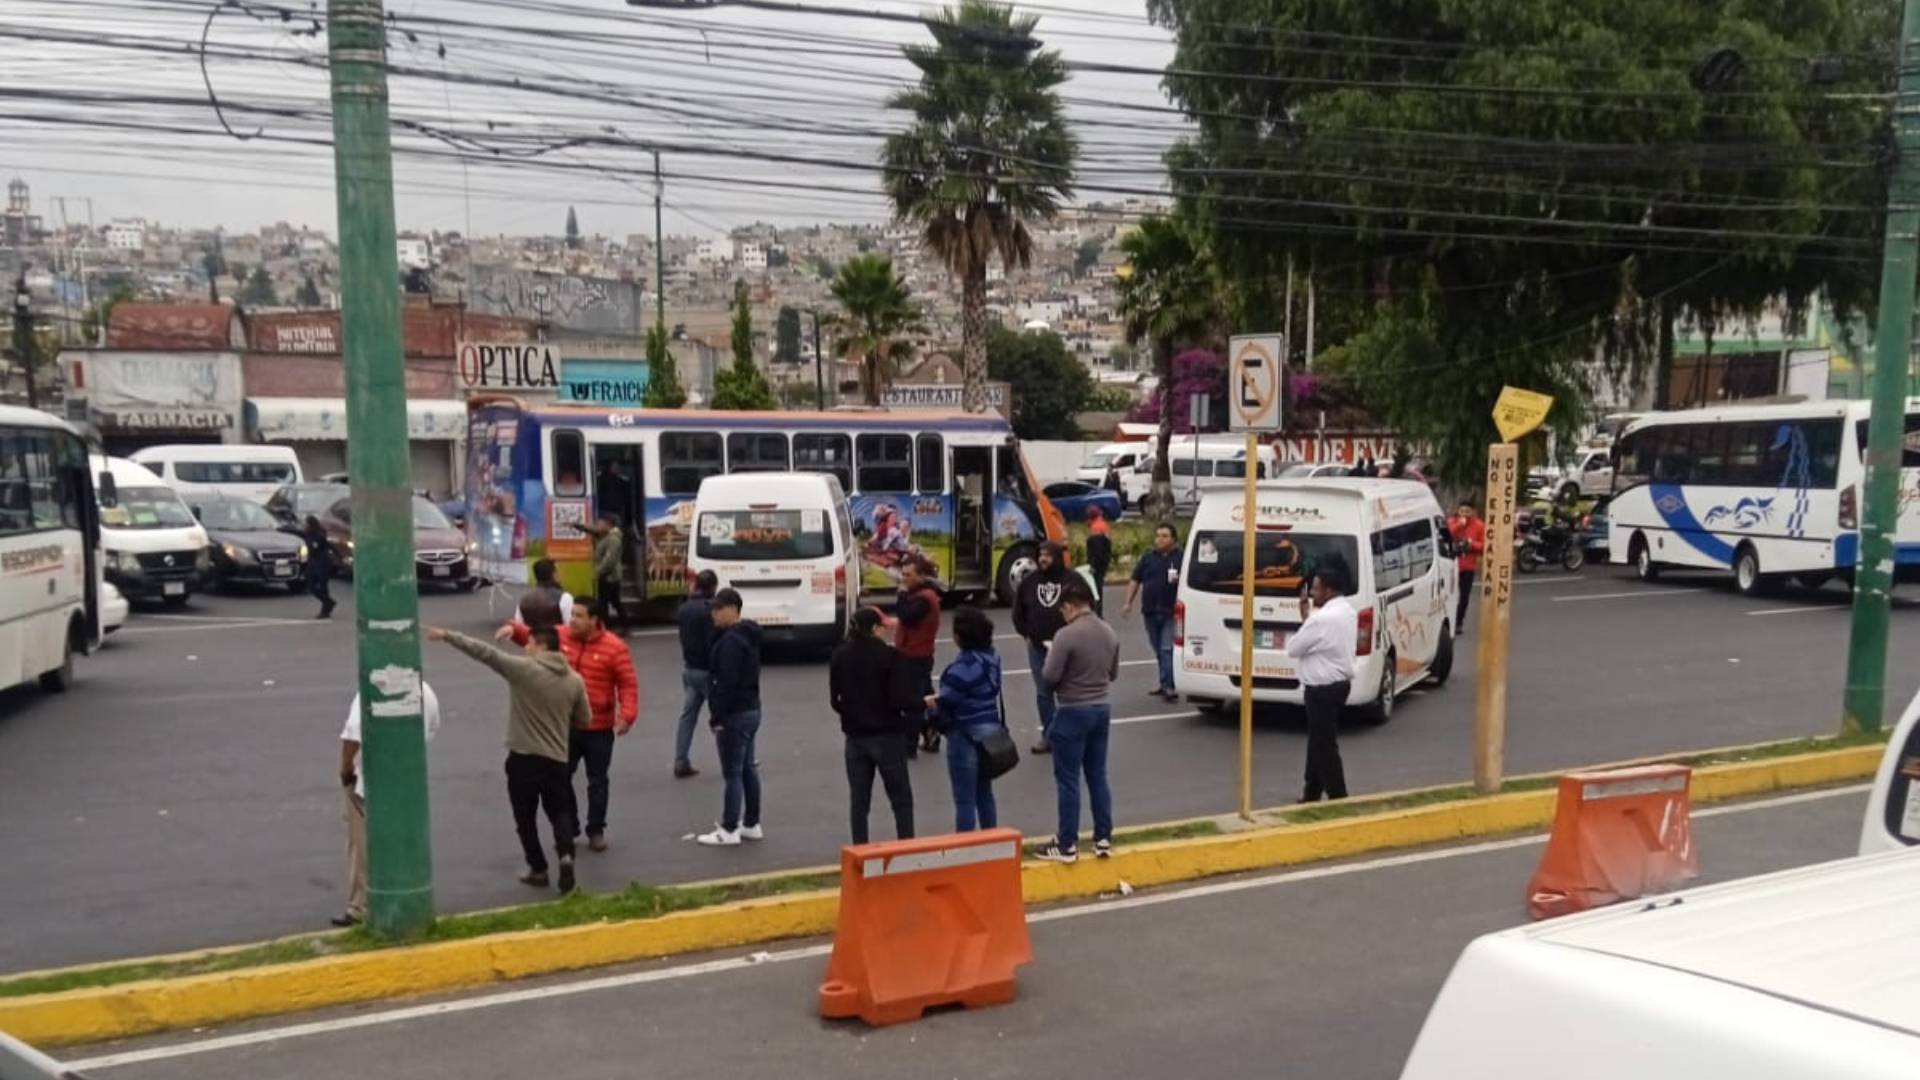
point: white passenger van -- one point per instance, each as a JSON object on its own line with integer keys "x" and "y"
{"x": 1199, "y": 462}
{"x": 1391, "y": 535}
{"x": 1813, "y": 972}
{"x": 152, "y": 547}
{"x": 1132, "y": 460}
{"x": 785, "y": 541}
{"x": 252, "y": 473}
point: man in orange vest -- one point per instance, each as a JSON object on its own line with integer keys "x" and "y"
{"x": 613, "y": 693}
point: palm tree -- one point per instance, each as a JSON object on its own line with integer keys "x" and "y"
{"x": 988, "y": 153}
{"x": 1171, "y": 298}
{"x": 878, "y": 310}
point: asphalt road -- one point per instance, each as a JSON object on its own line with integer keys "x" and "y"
{"x": 1323, "y": 972}
{"x": 183, "y": 795}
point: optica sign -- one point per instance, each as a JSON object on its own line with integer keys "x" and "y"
{"x": 508, "y": 366}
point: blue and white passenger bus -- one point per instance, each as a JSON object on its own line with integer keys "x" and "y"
{"x": 49, "y": 550}
{"x": 1767, "y": 491}
{"x": 947, "y": 485}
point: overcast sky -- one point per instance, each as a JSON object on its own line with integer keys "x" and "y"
{"x": 712, "y": 86}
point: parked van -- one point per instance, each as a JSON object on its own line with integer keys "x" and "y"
{"x": 1132, "y": 460}
{"x": 785, "y": 541}
{"x": 1392, "y": 537}
{"x": 252, "y": 472}
{"x": 1199, "y": 462}
{"x": 1805, "y": 973}
{"x": 153, "y": 548}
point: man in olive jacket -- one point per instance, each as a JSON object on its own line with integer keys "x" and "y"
{"x": 608, "y": 560}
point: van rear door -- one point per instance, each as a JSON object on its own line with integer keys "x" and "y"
{"x": 783, "y": 561}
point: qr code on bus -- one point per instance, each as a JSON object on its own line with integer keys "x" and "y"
{"x": 566, "y": 518}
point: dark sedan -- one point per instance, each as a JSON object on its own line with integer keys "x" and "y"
{"x": 1073, "y": 499}
{"x": 292, "y": 503}
{"x": 251, "y": 546}
{"x": 439, "y": 549}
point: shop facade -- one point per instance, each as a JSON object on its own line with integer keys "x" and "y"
{"x": 134, "y": 399}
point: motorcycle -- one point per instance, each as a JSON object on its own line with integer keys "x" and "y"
{"x": 1541, "y": 539}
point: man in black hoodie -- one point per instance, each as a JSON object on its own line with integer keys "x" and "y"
{"x": 863, "y": 683}
{"x": 733, "y": 699}
{"x": 696, "y": 645}
{"x": 1037, "y": 617}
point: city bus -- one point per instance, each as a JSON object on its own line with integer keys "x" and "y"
{"x": 950, "y": 486}
{"x": 49, "y": 550}
{"x": 1766, "y": 491}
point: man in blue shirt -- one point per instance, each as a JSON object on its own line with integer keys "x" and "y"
{"x": 1156, "y": 583}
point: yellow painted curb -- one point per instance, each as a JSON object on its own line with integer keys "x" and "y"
{"x": 136, "y": 1008}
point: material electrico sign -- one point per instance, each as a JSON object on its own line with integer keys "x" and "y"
{"x": 509, "y": 366}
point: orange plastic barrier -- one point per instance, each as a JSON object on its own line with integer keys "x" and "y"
{"x": 933, "y": 921}
{"x": 1616, "y": 835}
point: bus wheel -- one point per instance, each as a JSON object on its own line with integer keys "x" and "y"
{"x": 60, "y": 679}
{"x": 1642, "y": 556}
{"x": 1746, "y": 572}
{"x": 1015, "y": 565}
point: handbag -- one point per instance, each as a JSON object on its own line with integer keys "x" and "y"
{"x": 998, "y": 752}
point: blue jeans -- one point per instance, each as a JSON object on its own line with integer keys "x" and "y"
{"x": 1080, "y": 743}
{"x": 1160, "y": 636}
{"x": 973, "y": 805}
{"x": 1042, "y": 689}
{"x": 735, "y": 742}
{"x": 695, "y": 683}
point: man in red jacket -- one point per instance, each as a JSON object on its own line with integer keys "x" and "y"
{"x": 1469, "y": 542}
{"x": 916, "y": 628}
{"x": 613, "y": 693}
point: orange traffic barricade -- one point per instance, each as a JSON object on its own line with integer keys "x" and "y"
{"x": 927, "y": 922}
{"x": 1617, "y": 834}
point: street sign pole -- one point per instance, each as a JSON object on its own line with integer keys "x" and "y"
{"x": 1247, "y": 567}
{"x": 1254, "y": 406}
{"x": 1496, "y": 619}
{"x": 386, "y": 595}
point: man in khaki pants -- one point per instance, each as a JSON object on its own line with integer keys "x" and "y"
{"x": 353, "y": 787}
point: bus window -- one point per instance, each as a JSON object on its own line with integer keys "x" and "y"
{"x": 1909, "y": 445}
{"x": 1822, "y": 464}
{"x": 756, "y": 451}
{"x": 1746, "y": 454}
{"x": 16, "y": 493}
{"x": 885, "y": 463}
{"x": 1633, "y": 459}
{"x": 931, "y": 458}
{"x": 826, "y": 454}
{"x": 569, "y": 464}
{"x": 1012, "y": 477}
{"x": 1670, "y": 454}
{"x": 1709, "y": 454}
{"x": 688, "y": 457}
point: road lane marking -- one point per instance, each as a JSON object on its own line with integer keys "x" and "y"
{"x": 1123, "y": 663}
{"x": 1801, "y": 608}
{"x": 215, "y": 626}
{"x": 1637, "y": 594}
{"x": 813, "y": 952}
{"x": 1189, "y": 714}
{"x": 252, "y": 620}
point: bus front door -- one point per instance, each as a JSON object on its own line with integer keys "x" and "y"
{"x": 617, "y": 491}
{"x": 972, "y": 517}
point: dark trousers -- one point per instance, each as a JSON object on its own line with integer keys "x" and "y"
{"x": 1325, "y": 775}
{"x": 916, "y": 682}
{"x": 533, "y": 782}
{"x": 607, "y": 592}
{"x": 1466, "y": 593}
{"x": 596, "y": 749}
{"x": 740, "y": 803}
{"x": 320, "y": 586}
{"x": 867, "y": 754}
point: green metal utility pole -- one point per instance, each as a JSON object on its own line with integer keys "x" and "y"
{"x": 385, "y": 593}
{"x": 1873, "y": 574}
{"x": 659, "y": 246}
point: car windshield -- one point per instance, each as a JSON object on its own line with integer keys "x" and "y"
{"x": 146, "y": 508}
{"x": 763, "y": 534}
{"x": 428, "y": 516}
{"x": 1282, "y": 561}
{"x": 1298, "y": 470}
{"x": 236, "y": 516}
{"x": 1102, "y": 459}
{"x": 315, "y": 500}
{"x": 1065, "y": 491}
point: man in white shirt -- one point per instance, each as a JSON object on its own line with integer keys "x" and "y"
{"x": 1324, "y": 648}
{"x": 354, "y": 785}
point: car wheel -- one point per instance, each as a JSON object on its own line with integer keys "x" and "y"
{"x": 60, "y": 679}
{"x": 1643, "y": 564}
{"x": 1441, "y": 669}
{"x": 1381, "y": 709}
{"x": 1746, "y": 572}
{"x": 1015, "y": 565}
{"x": 1574, "y": 559}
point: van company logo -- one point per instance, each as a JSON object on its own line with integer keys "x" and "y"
{"x": 1744, "y": 514}
{"x": 1670, "y": 504}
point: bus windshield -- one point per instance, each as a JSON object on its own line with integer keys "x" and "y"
{"x": 146, "y": 508}
{"x": 1282, "y": 560}
{"x": 760, "y": 535}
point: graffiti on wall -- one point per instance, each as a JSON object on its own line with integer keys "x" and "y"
{"x": 599, "y": 305}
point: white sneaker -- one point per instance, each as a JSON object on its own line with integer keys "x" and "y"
{"x": 719, "y": 837}
{"x": 752, "y": 832}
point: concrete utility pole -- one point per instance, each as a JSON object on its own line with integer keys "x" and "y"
{"x": 386, "y": 596}
{"x": 1873, "y": 572}
{"x": 659, "y": 245}
{"x": 23, "y": 343}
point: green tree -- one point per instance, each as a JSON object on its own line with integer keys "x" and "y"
{"x": 309, "y": 294}
{"x": 573, "y": 229}
{"x": 663, "y": 377}
{"x": 877, "y": 309}
{"x": 744, "y": 385}
{"x": 988, "y": 152}
{"x": 93, "y": 322}
{"x": 1049, "y": 387}
{"x": 258, "y": 291}
{"x": 786, "y": 336}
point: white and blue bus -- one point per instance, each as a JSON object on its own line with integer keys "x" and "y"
{"x": 950, "y": 486}
{"x": 49, "y": 550}
{"x": 1767, "y": 491}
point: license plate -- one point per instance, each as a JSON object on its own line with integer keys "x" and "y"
{"x": 1268, "y": 639}
{"x": 173, "y": 588}
{"x": 442, "y": 571}
{"x": 283, "y": 570}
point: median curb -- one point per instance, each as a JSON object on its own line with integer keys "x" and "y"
{"x": 137, "y": 1008}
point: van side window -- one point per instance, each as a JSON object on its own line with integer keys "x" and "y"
{"x": 1186, "y": 466}
{"x": 1419, "y": 548}
{"x": 885, "y": 463}
{"x": 756, "y": 451}
{"x": 930, "y": 464}
{"x": 688, "y": 457}
{"x": 831, "y": 454}
{"x": 569, "y": 464}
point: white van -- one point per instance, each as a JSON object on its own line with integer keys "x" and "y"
{"x": 1132, "y": 460}
{"x": 785, "y": 541}
{"x": 1392, "y": 536}
{"x": 1812, "y": 972}
{"x": 1893, "y": 811}
{"x": 152, "y": 547}
{"x": 1199, "y": 462}
{"x": 252, "y": 473}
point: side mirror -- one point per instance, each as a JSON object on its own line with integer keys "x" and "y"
{"x": 107, "y": 492}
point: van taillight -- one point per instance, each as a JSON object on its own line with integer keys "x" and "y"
{"x": 1363, "y": 642}
{"x": 840, "y": 578}
{"x": 1849, "y": 507}
{"x": 1179, "y": 624}
{"x": 519, "y": 537}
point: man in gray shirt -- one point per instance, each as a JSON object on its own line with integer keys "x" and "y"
{"x": 1082, "y": 661}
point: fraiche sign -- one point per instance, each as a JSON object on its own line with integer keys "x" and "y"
{"x": 509, "y": 366}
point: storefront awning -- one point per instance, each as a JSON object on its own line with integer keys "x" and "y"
{"x": 325, "y": 419}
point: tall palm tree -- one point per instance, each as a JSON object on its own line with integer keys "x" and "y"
{"x": 1171, "y": 297}
{"x": 988, "y": 154}
{"x": 878, "y": 310}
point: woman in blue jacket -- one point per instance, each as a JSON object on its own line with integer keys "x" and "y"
{"x": 969, "y": 706}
